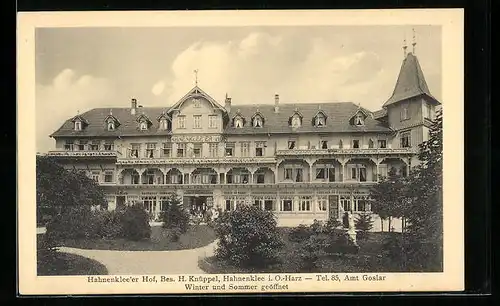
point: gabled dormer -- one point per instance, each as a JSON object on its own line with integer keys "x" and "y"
{"x": 319, "y": 120}
{"x": 79, "y": 123}
{"x": 111, "y": 122}
{"x": 163, "y": 121}
{"x": 295, "y": 120}
{"x": 258, "y": 119}
{"x": 238, "y": 121}
{"x": 144, "y": 122}
{"x": 359, "y": 117}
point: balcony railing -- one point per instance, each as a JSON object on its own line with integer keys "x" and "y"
{"x": 68, "y": 153}
{"x": 385, "y": 151}
{"x": 196, "y": 161}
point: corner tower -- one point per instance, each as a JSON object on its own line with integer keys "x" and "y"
{"x": 411, "y": 107}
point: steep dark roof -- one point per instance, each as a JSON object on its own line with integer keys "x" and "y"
{"x": 411, "y": 82}
{"x": 338, "y": 115}
{"x": 338, "y": 119}
{"x": 128, "y": 124}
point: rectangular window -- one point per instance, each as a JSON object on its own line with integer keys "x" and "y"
{"x": 320, "y": 173}
{"x": 82, "y": 145}
{"x": 108, "y": 145}
{"x": 355, "y": 143}
{"x": 196, "y": 121}
{"x": 197, "y": 150}
{"x": 269, "y": 205}
{"x": 257, "y": 204}
{"x": 259, "y": 148}
{"x": 229, "y": 205}
{"x": 108, "y": 176}
{"x": 245, "y": 148}
{"x": 68, "y": 146}
{"x": 229, "y": 149}
{"x": 78, "y": 125}
{"x": 288, "y": 173}
{"x": 260, "y": 178}
{"x": 95, "y": 175}
{"x": 134, "y": 151}
{"x": 94, "y": 146}
{"x": 405, "y": 140}
{"x": 181, "y": 122}
{"x": 286, "y": 205}
{"x": 213, "y": 149}
{"x": 150, "y": 150}
{"x": 181, "y": 150}
{"x": 305, "y": 204}
{"x": 212, "y": 121}
{"x": 291, "y": 144}
{"x": 346, "y": 204}
{"x": 331, "y": 174}
{"x": 404, "y": 112}
{"x": 324, "y": 144}
{"x": 167, "y": 149}
{"x": 322, "y": 203}
{"x": 135, "y": 178}
{"x": 298, "y": 175}
{"x": 382, "y": 143}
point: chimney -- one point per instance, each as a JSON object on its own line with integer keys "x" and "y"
{"x": 276, "y": 102}
{"x": 133, "y": 106}
{"x": 227, "y": 104}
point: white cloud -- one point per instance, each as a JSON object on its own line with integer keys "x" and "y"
{"x": 158, "y": 88}
{"x": 253, "y": 69}
{"x": 62, "y": 99}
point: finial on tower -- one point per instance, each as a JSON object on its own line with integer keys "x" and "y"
{"x": 111, "y": 111}
{"x": 78, "y": 112}
{"x": 414, "y": 41}
{"x": 196, "y": 77}
{"x": 404, "y": 47}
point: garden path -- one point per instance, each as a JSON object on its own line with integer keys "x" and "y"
{"x": 148, "y": 262}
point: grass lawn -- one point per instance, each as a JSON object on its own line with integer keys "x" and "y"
{"x": 197, "y": 236}
{"x": 367, "y": 260}
{"x": 68, "y": 264}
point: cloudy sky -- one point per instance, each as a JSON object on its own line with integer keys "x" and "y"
{"x": 81, "y": 68}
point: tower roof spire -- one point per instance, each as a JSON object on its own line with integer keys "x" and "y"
{"x": 410, "y": 83}
{"x": 414, "y": 41}
{"x": 404, "y": 47}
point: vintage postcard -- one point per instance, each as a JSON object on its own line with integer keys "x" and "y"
{"x": 240, "y": 152}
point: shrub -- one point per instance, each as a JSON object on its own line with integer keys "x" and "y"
{"x": 112, "y": 225}
{"x": 248, "y": 237}
{"x": 332, "y": 225}
{"x": 135, "y": 222}
{"x": 74, "y": 223}
{"x": 299, "y": 233}
{"x": 174, "y": 216}
{"x": 310, "y": 251}
{"x": 317, "y": 227}
{"x": 364, "y": 223}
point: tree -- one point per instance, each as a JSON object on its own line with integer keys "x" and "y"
{"x": 58, "y": 189}
{"x": 364, "y": 223}
{"x": 248, "y": 237}
{"x": 135, "y": 222}
{"x": 174, "y": 216}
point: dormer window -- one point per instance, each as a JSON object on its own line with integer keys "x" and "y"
{"x": 111, "y": 125}
{"x": 238, "y": 122}
{"x": 296, "y": 121}
{"x": 163, "y": 124}
{"x": 319, "y": 120}
{"x": 359, "y": 120}
{"x": 78, "y": 125}
{"x": 143, "y": 125}
{"x": 257, "y": 121}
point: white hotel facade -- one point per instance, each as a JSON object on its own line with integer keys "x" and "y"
{"x": 303, "y": 161}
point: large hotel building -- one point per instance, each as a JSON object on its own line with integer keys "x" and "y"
{"x": 303, "y": 161}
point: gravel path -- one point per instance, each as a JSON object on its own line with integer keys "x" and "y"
{"x": 148, "y": 262}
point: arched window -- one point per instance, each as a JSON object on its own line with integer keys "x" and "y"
{"x": 143, "y": 125}
{"x": 238, "y": 122}
{"x": 320, "y": 120}
{"x": 257, "y": 121}
{"x": 296, "y": 121}
{"x": 370, "y": 144}
{"x": 163, "y": 124}
{"x": 78, "y": 125}
{"x": 111, "y": 125}
{"x": 358, "y": 119}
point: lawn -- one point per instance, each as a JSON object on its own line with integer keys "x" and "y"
{"x": 196, "y": 236}
{"x": 368, "y": 259}
{"x": 68, "y": 264}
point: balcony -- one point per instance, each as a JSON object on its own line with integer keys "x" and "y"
{"x": 98, "y": 154}
{"x": 196, "y": 161}
{"x": 333, "y": 152}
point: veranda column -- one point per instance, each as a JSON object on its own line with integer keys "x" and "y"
{"x": 310, "y": 172}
